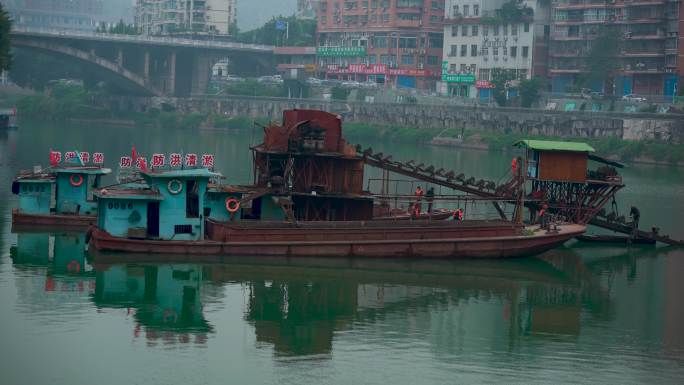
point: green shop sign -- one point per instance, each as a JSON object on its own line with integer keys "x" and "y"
{"x": 458, "y": 78}
{"x": 341, "y": 51}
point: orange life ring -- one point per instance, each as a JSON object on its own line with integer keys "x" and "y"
{"x": 232, "y": 205}
{"x": 74, "y": 267}
{"x": 76, "y": 180}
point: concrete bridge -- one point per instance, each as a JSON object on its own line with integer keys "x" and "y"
{"x": 146, "y": 65}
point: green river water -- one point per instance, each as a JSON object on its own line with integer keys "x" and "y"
{"x": 577, "y": 314}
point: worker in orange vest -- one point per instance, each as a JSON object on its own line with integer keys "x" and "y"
{"x": 542, "y": 215}
{"x": 458, "y": 215}
{"x": 419, "y": 196}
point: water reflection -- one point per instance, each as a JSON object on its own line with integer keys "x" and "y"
{"x": 164, "y": 299}
{"x": 161, "y": 298}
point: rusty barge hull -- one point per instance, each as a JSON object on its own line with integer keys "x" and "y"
{"x": 448, "y": 248}
{"x": 51, "y": 221}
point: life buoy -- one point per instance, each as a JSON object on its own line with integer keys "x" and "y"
{"x": 170, "y": 315}
{"x": 76, "y": 180}
{"x": 175, "y": 186}
{"x": 232, "y": 205}
{"x": 74, "y": 267}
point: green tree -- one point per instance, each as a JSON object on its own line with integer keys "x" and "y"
{"x": 529, "y": 91}
{"x": 301, "y": 33}
{"x": 500, "y": 79}
{"x": 5, "y": 27}
{"x": 602, "y": 62}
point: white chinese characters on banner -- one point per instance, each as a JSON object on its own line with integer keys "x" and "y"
{"x": 208, "y": 161}
{"x": 175, "y": 160}
{"x": 126, "y": 162}
{"x": 98, "y": 158}
{"x": 191, "y": 160}
{"x": 158, "y": 160}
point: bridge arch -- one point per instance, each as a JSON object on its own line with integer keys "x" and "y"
{"x": 125, "y": 77}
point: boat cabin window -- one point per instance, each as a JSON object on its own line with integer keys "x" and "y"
{"x": 532, "y": 165}
{"x": 192, "y": 199}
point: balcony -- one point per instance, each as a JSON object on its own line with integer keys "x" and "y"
{"x": 585, "y": 4}
{"x": 643, "y": 3}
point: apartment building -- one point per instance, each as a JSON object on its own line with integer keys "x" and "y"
{"x": 394, "y": 42}
{"x": 480, "y": 38}
{"x": 62, "y": 14}
{"x": 198, "y": 17}
{"x": 650, "y": 41}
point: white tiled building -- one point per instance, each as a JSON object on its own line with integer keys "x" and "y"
{"x": 165, "y": 17}
{"x": 479, "y": 38}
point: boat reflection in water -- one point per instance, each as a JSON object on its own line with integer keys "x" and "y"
{"x": 164, "y": 299}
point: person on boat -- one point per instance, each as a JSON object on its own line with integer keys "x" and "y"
{"x": 419, "y": 197}
{"x": 542, "y": 215}
{"x": 430, "y": 197}
{"x": 635, "y": 214}
{"x": 458, "y": 215}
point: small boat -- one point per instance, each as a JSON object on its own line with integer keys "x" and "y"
{"x": 70, "y": 188}
{"x": 615, "y": 239}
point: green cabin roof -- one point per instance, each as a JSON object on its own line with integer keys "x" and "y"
{"x": 188, "y": 173}
{"x": 549, "y": 145}
{"x": 86, "y": 170}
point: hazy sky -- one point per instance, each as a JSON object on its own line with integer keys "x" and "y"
{"x": 254, "y": 13}
{"x": 251, "y": 13}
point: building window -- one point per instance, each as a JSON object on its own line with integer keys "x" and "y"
{"x": 514, "y": 29}
{"x": 505, "y": 50}
{"x": 522, "y": 74}
{"x": 385, "y": 17}
{"x": 454, "y": 30}
{"x": 380, "y": 41}
{"x": 463, "y": 69}
{"x": 455, "y": 11}
{"x": 473, "y": 68}
{"x": 407, "y": 42}
{"x": 476, "y": 30}
{"x": 454, "y": 50}
{"x": 514, "y": 51}
{"x": 452, "y": 68}
{"x": 433, "y": 60}
{"x": 372, "y": 59}
{"x": 485, "y": 51}
{"x": 466, "y": 10}
{"x": 476, "y": 10}
{"x": 525, "y": 51}
{"x": 386, "y": 59}
{"x": 436, "y": 40}
{"x": 496, "y": 30}
{"x": 505, "y": 29}
{"x": 485, "y": 30}
{"x": 484, "y": 74}
{"x": 407, "y": 59}
{"x": 473, "y": 50}
{"x": 495, "y": 51}
{"x": 324, "y": 20}
{"x": 464, "y": 30}
{"x": 527, "y": 27}
{"x": 464, "y": 50}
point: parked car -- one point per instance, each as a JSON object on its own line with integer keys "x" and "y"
{"x": 351, "y": 84}
{"x": 270, "y": 79}
{"x": 233, "y": 78}
{"x": 369, "y": 84}
{"x": 634, "y": 98}
{"x": 314, "y": 81}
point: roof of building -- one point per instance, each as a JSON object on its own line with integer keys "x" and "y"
{"x": 549, "y": 145}
{"x": 186, "y": 173}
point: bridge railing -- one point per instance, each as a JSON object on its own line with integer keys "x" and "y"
{"x": 144, "y": 39}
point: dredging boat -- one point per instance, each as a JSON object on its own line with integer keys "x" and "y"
{"x": 307, "y": 200}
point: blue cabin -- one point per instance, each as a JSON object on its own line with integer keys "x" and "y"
{"x": 167, "y": 209}
{"x": 35, "y": 193}
{"x": 74, "y": 193}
